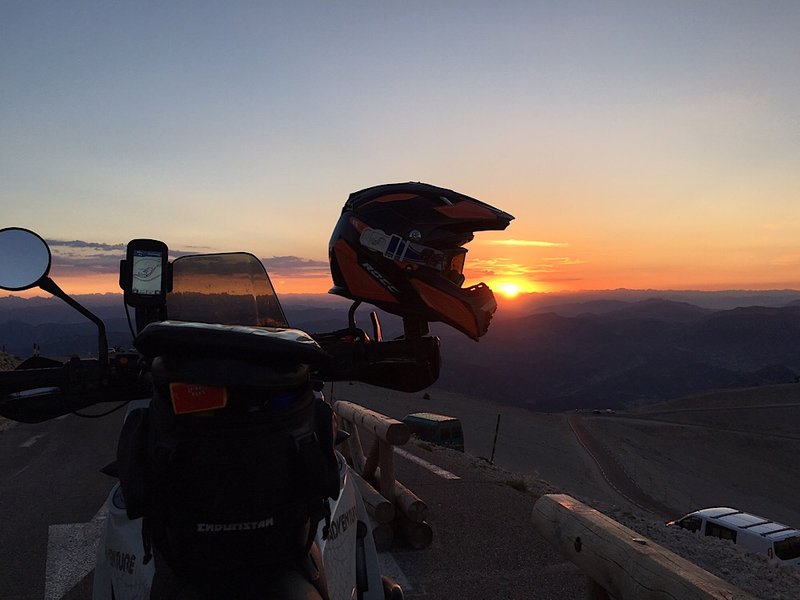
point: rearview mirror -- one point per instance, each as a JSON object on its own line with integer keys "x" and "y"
{"x": 24, "y": 259}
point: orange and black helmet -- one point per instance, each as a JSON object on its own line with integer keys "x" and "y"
{"x": 400, "y": 246}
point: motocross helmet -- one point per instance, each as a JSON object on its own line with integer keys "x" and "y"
{"x": 400, "y": 246}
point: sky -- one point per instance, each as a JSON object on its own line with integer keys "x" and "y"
{"x": 644, "y": 145}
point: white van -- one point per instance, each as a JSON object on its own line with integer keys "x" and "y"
{"x": 779, "y": 543}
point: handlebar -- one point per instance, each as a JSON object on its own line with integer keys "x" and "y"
{"x": 406, "y": 365}
{"x": 14, "y": 381}
{"x": 37, "y": 395}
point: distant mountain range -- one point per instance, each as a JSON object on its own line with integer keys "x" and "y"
{"x": 610, "y": 349}
{"x": 627, "y": 354}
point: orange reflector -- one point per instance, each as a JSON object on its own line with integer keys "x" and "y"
{"x": 190, "y": 397}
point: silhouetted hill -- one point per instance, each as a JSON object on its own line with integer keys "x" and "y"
{"x": 651, "y": 308}
{"x": 61, "y": 339}
{"x": 554, "y": 363}
{"x": 604, "y": 353}
{"x": 571, "y": 304}
{"x": 663, "y": 310}
{"x": 574, "y": 309}
{"x": 39, "y": 310}
{"x": 748, "y": 338}
{"x": 60, "y": 330}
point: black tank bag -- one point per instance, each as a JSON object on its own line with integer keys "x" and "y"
{"x": 234, "y": 488}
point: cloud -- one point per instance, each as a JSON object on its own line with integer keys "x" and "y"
{"x": 77, "y": 257}
{"x": 295, "y": 266}
{"x": 556, "y": 279}
{"x": 91, "y": 245}
{"x": 504, "y": 267}
{"x": 564, "y": 260}
{"x": 531, "y": 243}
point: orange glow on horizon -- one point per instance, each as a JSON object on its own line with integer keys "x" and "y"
{"x": 511, "y": 276}
{"x": 83, "y": 284}
{"x": 508, "y": 289}
{"x": 512, "y": 287}
{"x": 301, "y": 285}
{"x": 107, "y": 283}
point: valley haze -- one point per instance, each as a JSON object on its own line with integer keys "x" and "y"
{"x": 550, "y": 352}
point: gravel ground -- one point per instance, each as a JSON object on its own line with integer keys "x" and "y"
{"x": 7, "y": 362}
{"x": 689, "y": 466}
{"x": 749, "y": 572}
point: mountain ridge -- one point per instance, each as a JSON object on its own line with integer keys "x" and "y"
{"x": 608, "y": 352}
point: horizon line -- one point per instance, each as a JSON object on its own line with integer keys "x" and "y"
{"x": 520, "y": 295}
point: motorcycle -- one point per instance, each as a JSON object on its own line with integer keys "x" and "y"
{"x": 210, "y": 331}
{"x": 230, "y": 485}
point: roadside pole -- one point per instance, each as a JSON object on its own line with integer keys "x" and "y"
{"x": 494, "y": 444}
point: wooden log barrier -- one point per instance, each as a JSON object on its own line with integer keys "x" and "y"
{"x": 382, "y": 534}
{"x": 379, "y": 507}
{"x": 409, "y": 503}
{"x": 377, "y": 467}
{"x": 390, "y": 430}
{"x": 344, "y": 447}
{"x": 622, "y": 562}
{"x": 356, "y": 449}
{"x": 373, "y": 460}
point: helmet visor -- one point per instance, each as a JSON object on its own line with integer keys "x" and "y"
{"x": 453, "y": 265}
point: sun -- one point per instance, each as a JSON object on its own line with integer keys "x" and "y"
{"x": 508, "y": 289}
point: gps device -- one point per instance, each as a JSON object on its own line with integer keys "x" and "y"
{"x": 144, "y": 274}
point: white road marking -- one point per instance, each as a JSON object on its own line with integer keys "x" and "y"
{"x": 31, "y": 441}
{"x": 22, "y": 470}
{"x": 389, "y": 567}
{"x": 424, "y": 463}
{"x": 62, "y": 417}
{"x": 71, "y": 554}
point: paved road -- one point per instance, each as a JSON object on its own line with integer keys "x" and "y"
{"x": 613, "y": 472}
{"x": 483, "y": 547}
{"x": 49, "y": 475}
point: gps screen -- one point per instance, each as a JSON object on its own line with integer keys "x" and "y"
{"x": 147, "y": 276}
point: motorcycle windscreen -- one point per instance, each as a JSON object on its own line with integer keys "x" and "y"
{"x": 229, "y": 289}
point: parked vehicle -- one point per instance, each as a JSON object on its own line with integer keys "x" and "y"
{"x": 436, "y": 429}
{"x": 779, "y": 543}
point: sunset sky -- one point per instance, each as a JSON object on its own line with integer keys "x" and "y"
{"x": 638, "y": 144}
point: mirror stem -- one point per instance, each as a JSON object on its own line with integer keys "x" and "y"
{"x": 50, "y": 286}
